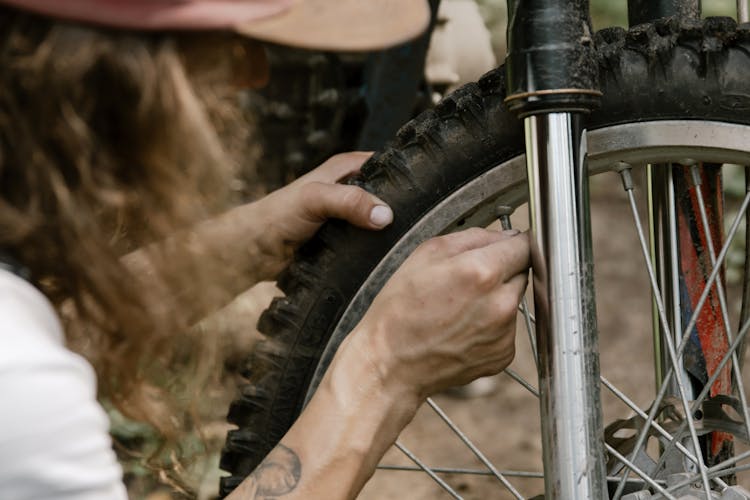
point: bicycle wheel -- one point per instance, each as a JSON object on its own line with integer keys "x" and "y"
{"x": 672, "y": 91}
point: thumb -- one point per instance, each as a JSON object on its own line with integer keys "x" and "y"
{"x": 353, "y": 204}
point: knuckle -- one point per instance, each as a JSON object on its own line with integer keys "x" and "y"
{"x": 347, "y": 160}
{"x": 423, "y": 247}
{"x": 421, "y": 252}
{"x": 354, "y": 197}
{"x": 442, "y": 241}
{"x": 480, "y": 274}
{"x": 432, "y": 245}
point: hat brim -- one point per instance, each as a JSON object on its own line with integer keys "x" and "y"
{"x": 342, "y": 25}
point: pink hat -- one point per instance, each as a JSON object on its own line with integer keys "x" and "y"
{"x": 314, "y": 24}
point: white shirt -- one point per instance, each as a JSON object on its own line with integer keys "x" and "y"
{"x": 54, "y": 440}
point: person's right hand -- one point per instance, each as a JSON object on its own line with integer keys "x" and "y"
{"x": 444, "y": 318}
{"x": 448, "y": 315}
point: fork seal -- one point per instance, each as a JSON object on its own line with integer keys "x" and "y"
{"x": 551, "y": 63}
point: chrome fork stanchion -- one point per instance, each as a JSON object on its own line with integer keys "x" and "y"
{"x": 565, "y": 308}
{"x": 551, "y": 80}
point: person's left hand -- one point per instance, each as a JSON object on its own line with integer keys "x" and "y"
{"x": 291, "y": 215}
{"x": 256, "y": 241}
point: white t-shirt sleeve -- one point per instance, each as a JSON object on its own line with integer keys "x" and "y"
{"x": 54, "y": 441}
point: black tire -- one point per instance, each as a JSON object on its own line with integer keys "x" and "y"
{"x": 670, "y": 70}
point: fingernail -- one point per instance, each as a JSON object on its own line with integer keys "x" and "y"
{"x": 511, "y": 232}
{"x": 381, "y": 215}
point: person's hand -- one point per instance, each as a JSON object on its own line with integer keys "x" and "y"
{"x": 292, "y": 215}
{"x": 448, "y": 315}
{"x": 255, "y": 241}
{"x": 444, "y": 318}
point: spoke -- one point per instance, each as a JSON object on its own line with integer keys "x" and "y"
{"x": 528, "y": 320}
{"x": 722, "y": 299}
{"x": 733, "y": 470}
{"x": 707, "y": 387}
{"x": 471, "y": 472}
{"x": 654, "y": 425}
{"x": 503, "y": 214}
{"x": 712, "y": 472}
{"x": 745, "y": 305}
{"x": 482, "y": 472}
{"x": 674, "y": 357}
{"x": 640, "y": 473}
{"x": 515, "y": 376}
{"x": 500, "y": 477}
{"x": 628, "y": 184}
{"x": 532, "y": 318}
{"x": 429, "y": 471}
{"x": 693, "y": 319}
{"x": 719, "y": 468}
{"x": 686, "y": 333}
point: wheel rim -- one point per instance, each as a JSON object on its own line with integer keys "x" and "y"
{"x": 474, "y": 204}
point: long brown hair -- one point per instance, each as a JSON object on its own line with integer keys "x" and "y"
{"x": 106, "y": 144}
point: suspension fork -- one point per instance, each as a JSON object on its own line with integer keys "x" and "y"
{"x": 676, "y": 233}
{"x": 551, "y": 83}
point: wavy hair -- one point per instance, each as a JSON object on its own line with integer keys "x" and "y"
{"x": 107, "y": 143}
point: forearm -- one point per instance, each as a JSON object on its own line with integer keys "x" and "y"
{"x": 335, "y": 445}
{"x": 198, "y": 271}
{"x": 446, "y": 317}
{"x": 201, "y": 270}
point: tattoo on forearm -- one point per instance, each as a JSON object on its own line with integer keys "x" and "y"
{"x": 276, "y": 476}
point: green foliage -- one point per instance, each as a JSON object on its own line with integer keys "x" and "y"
{"x": 719, "y": 8}
{"x": 187, "y": 470}
{"x": 605, "y": 13}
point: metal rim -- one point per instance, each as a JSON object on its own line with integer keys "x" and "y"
{"x": 473, "y": 204}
